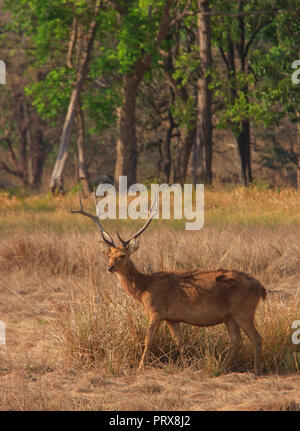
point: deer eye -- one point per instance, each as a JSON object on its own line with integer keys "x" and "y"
{"x": 122, "y": 255}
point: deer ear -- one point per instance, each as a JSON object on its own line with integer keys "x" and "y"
{"x": 104, "y": 248}
{"x": 133, "y": 246}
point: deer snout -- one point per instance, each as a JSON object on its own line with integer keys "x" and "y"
{"x": 110, "y": 268}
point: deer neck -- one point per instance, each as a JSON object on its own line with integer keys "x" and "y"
{"x": 132, "y": 280}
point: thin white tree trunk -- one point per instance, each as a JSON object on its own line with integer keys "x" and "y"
{"x": 56, "y": 180}
{"x": 82, "y": 171}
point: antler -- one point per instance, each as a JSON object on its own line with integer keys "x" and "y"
{"x": 106, "y": 237}
{"x": 153, "y": 210}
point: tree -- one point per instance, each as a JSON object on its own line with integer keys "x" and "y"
{"x": 62, "y": 36}
{"x": 23, "y": 133}
{"x": 203, "y": 160}
{"x": 23, "y": 137}
{"x": 86, "y": 69}
{"x": 180, "y": 71}
{"x": 279, "y": 97}
{"x": 83, "y": 175}
{"x": 56, "y": 181}
{"x": 142, "y": 31}
{"x": 235, "y": 38}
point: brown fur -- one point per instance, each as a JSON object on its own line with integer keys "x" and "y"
{"x": 200, "y": 298}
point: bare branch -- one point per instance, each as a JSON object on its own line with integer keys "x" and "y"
{"x": 9, "y": 170}
{"x": 224, "y": 56}
{"x": 72, "y": 43}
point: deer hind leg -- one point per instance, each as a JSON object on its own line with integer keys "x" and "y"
{"x": 236, "y": 341}
{"x": 250, "y": 330}
{"x": 151, "y": 332}
{"x": 175, "y": 331}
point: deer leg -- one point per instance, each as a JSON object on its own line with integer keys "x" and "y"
{"x": 250, "y": 330}
{"x": 175, "y": 331}
{"x": 151, "y": 332}
{"x": 236, "y": 341}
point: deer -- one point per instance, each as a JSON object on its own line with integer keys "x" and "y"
{"x": 201, "y": 298}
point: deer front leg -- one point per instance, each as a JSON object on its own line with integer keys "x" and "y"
{"x": 151, "y": 332}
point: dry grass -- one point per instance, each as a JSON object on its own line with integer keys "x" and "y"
{"x": 74, "y": 338}
{"x": 238, "y": 207}
{"x": 103, "y": 327}
{"x": 107, "y": 328}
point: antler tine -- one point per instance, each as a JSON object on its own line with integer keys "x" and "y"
{"x": 139, "y": 232}
{"x": 124, "y": 243}
{"x": 106, "y": 237}
{"x": 104, "y": 233}
{"x": 95, "y": 198}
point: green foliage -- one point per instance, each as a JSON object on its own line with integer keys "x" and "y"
{"x": 273, "y": 68}
{"x": 137, "y": 33}
{"x": 100, "y": 106}
{"x": 51, "y": 95}
{"x": 184, "y": 111}
{"x": 46, "y": 23}
{"x": 262, "y": 92}
{"x": 186, "y": 66}
{"x": 49, "y": 25}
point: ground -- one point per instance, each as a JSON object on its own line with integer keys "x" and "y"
{"x": 50, "y": 275}
{"x": 33, "y": 376}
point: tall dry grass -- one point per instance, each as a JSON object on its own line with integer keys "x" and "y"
{"x": 101, "y": 327}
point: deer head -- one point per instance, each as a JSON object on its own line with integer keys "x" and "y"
{"x": 118, "y": 256}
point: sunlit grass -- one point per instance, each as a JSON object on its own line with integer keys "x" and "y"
{"x": 238, "y": 207}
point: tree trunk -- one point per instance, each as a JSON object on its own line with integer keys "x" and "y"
{"x": 298, "y": 146}
{"x": 165, "y": 153}
{"x": 126, "y": 164}
{"x": 198, "y": 161}
{"x": 30, "y": 148}
{"x": 39, "y": 154}
{"x": 22, "y": 126}
{"x": 184, "y": 152}
{"x": 298, "y": 153}
{"x": 244, "y": 144}
{"x": 204, "y": 116}
{"x": 126, "y": 145}
{"x": 82, "y": 171}
{"x": 56, "y": 181}
{"x": 28, "y": 153}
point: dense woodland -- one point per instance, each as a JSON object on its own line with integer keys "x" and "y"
{"x": 169, "y": 91}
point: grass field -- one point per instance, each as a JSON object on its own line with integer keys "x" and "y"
{"x": 74, "y": 339}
